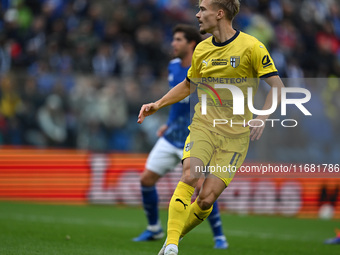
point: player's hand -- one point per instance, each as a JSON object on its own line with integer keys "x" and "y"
{"x": 146, "y": 110}
{"x": 258, "y": 125}
{"x": 161, "y": 130}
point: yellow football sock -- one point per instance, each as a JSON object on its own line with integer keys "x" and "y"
{"x": 179, "y": 209}
{"x": 196, "y": 217}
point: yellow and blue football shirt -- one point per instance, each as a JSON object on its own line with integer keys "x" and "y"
{"x": 241, "y": 61}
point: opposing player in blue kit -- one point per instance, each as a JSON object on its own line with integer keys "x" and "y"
{"x": 168, "y": 150}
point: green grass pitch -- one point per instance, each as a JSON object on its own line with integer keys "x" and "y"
{"x": 35, "y": 229}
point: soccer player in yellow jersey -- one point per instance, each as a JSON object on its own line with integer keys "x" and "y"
{"x": 228, "y": 59}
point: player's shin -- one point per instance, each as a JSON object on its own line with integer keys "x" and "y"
{"x": 179, "y": 209}
{"x": 196, "y": 217}
{"x": 150, "y": 204}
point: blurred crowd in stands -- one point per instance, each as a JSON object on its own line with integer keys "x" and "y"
{"x": 74, "y": 73}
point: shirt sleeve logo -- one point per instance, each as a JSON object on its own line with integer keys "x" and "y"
{"x": 266, "y": 61}
{"x": 206, "y": 62}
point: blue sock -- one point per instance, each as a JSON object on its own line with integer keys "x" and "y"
{"x": 150, "y": 204}
{"x": 215, "y": 221}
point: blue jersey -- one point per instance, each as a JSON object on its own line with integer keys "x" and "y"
{"x": 179, "y": 116}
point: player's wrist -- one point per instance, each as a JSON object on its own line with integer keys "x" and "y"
{"x": 161, "y": 103}
{"x": 158, "y": 104}
{"x": 263, "y": 117}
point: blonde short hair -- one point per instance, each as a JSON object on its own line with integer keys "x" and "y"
{"x": 230, "y": 7}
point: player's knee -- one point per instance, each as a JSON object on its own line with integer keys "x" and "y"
{"x": 205, "y": 203}
{"x": 188, "y": 178}
{"x": 206, "y": 199}
{"x": 147, "y": 180}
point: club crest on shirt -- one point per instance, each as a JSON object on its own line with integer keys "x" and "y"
{"x": 188, "y": 146}
{"x": 235, "y": 61}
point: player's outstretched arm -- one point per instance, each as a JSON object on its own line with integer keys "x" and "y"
{"x": 274, "y": 82}
{"x": 176, "y": 94}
